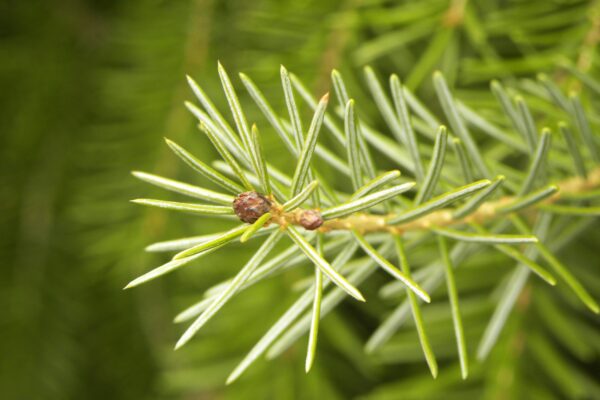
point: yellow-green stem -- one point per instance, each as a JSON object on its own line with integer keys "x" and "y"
{"x": 368, "y": 223}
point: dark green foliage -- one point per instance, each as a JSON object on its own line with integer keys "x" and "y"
{"x": 88, "y": 90}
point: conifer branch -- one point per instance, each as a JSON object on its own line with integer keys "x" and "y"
{"x": 377, "y": 209}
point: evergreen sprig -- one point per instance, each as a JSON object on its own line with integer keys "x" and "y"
{"x": 456, "y": 199}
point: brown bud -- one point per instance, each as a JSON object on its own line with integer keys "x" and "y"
{"x": 311, "y": 219}
{"x": 250, "y": 206}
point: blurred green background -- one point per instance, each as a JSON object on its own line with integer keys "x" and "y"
{"x": 88, "y": 90}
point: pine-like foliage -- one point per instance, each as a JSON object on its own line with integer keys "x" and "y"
{"x": 89, "y": 90}
{"x": 373, "y": 225}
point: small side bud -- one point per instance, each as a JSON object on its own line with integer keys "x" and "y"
{"x": 250, "y": 206}
{"x": 310, "y": 219}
